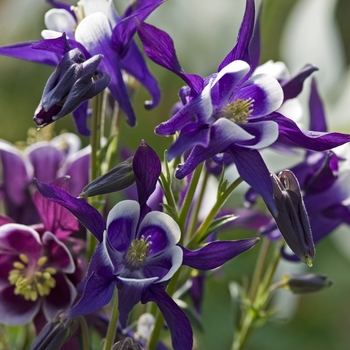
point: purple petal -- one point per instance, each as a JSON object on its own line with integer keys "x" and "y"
{"x": 15, "y": 310}
{"x": 200, "y": 107}
{"x": 17, "y": 239}
{"x": 126, "y": 28}
{"x": 134, "y": 63}
{"x": 159, "y": 47}
{"x": 129, "y": 294}
{"x": 253, "y": 170}
{"x": 317, "y": 115}
{"x": 81, "y": 116}
{"x": 46, "y": 160}
{"x": 97, "y": 293}
{"x": 84, "y": 212}
{"x": 94, "y": 33}
{"x": 177, "y": 321}
{"x": 59, "y": 46}
{"x": 60, "y": 298}
{"x": 147, "y": 168}
{"x": 215, "y": 254}
{"x": 25, "y": 51}
{"x": 241, "y": 49}
{"x": 163, "y": 266}
{"x": 77, "y": 167}
{"x": 293, "y": 86}
{"x": 313, "y": 140}
{"x": 122, "y": 222}
{"x": 251, "y": 219}
{"x": 266, "y": 93}
{"x": 191, "y": 135}
{"x": 223, "y": 133}
{"x": 58, "y": 254}
{"x": 163, "y": 231}
{"x": 55, "y": 218}
{"x": 227, "y": 81}
{"x": 255, "y": 42}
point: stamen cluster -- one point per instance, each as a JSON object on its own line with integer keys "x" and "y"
{"x": 138, "y": 252}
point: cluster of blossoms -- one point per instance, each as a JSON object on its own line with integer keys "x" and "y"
{"x": 55, "y": 272}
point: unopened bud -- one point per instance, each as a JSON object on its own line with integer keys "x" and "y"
{"x": 117, "y": 179}
{"x": 306, "y": 283}
{"x": 55, "y": 334}
{"x": 127, "y": 344}
{"x": 292, "y": 219}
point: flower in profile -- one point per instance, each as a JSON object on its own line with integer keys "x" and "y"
{"x": 74, "y": 81}
{"x": 33, "y": 274}
{"x": 96, "y": 30}
{"x": 292, "y": 219}
{"x": 305, "y": 283}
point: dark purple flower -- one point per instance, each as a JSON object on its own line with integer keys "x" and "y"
{"x": 94, "y": 28}
{"x": 74, "y": 81}
{"x": 47, "y": 161}
{"x": 33, "y": 274}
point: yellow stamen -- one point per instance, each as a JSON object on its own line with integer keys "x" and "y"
{"x": 18, "y": 265}
{"x": 42, "y": 261}
{"x": 24, "y": 258}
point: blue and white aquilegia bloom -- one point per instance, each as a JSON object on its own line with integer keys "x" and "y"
{"x": 233, "y": 111}
{"x": 100, "y": 37}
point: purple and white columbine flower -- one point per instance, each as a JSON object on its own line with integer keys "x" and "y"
{"x": 95, "y": 30}
{"x": 232, "y": 111}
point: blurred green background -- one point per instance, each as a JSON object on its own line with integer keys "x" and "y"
{"x": 204, "y": 31}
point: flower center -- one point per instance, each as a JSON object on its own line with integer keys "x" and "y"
{"x": 29, "y": 281}
{"x": 138, "y": 252}
{"x": 237, "y": 111}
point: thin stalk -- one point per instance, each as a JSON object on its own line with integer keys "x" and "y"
{"x": 189, "y": 197}
{"x": 84, "y": 332}
{"x": 199, "y": 235}
{"x": 194, "y": 216}
{"x": 112, "y": 327}
{"x": 167, "y": 192}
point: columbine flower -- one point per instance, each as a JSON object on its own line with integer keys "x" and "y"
{"x": 33, "y": 274}
{"x": 46, "y": 160}
{"x": 232, "y": 111}
{"x": 94, "y": 28}
{"x": 74, "y": 81}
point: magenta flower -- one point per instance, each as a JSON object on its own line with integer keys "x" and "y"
{"x": 33, "y": 274}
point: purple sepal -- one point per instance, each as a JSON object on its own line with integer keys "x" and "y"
{"x": 84, "y": 212}
{"x": 177, "y": 321}
{"x": 159, "y": 47}
{"x": 293, "y": 86}
{"x": 215, "y": 254}
{"x": 312, "y": 140}
{"x": 61, "y": 5}
{"x": 147, "y": 168}
{"x": 241, "y": 49}
{"x": 59, "y": 46}
{"x": 317, "y": 115}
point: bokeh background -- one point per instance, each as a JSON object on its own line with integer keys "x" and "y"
{"x": 294, "y": 31}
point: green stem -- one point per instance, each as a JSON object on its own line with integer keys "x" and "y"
{"x": 84, "y": 332}
{"x": 189, "y": 197}
{"x": 112, "y": 327}
{"x": 199, "y": 236}
{"x": 194, "y": 216}
{"x": 167, "y": 192}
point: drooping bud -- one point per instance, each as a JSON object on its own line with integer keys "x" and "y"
{"x": 74, "y": 81}
{"x": 292, "y": 219}
{"x": 127, "y": 344}
{"x": 55, "y": 333}
{"x": 305, "y": 283}
{"x": 117, "y": 179}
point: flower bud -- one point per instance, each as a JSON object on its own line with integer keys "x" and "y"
{"x": 292, "y": 219}
{"x": 306, "y": 283}
{"x": 117, "y": 179}
{"x": 74, "y": 81}
{"x": 127, "y": 344}
{"x": 55, "y": 334}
